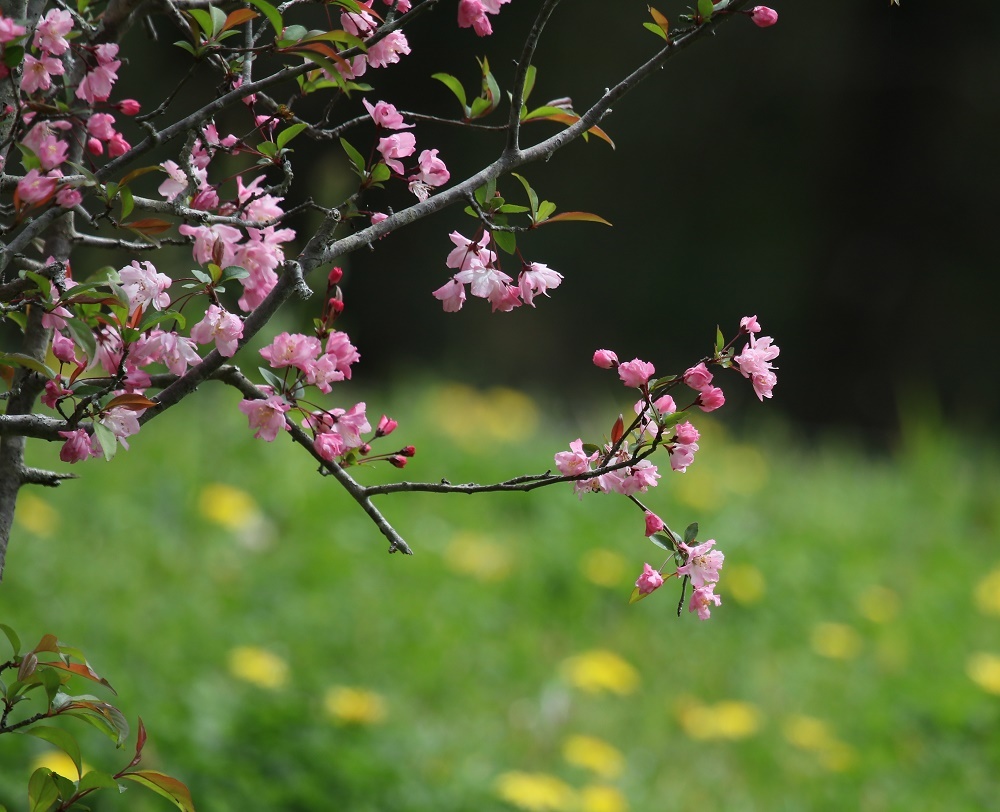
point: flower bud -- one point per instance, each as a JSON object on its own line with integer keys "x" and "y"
{"x": 386, "y": 425}
{"x": 654, "y": 524}
{"x": 397, "y": 461}
{"x": 763, "y": 16}
{"x": 95, "y": 147}
{"x": 605, "y": 359}
{"x": 408, "y": 451}
{"x": 336, "y": 274}
{"x": 649, "y": 581}
{"x": 129, "y": 107}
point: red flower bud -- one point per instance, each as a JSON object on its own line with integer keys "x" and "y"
{"x": 397, "y": 461}
{"x": 129, "y": 107}
{"x": 336, "y": 274}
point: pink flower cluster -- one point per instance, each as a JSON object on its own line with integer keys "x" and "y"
{"x": 701, "y": 565}
{"x": 472, "y": 14}
{"x": 319, "y": 366}
{"x": 755, "y": 359}
{"x": 431, "y": 170}
{"x": 363, "y": 24}
{"x": 477, "y": 267}
{"x": 627, "y": 480}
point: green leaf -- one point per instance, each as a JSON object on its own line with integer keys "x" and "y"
{"x": 690, "y": 533}
{"x": 661, "y": 22}
{"x": 506, "y": 240}
{"x": 61, "y": 739}
{"x": 203, "y": 20}
{"x": 356, "y": 157}
{"x": 271, "y": 379}
{"x": 510, "y": 208}
{"x": 15, "y": 641}
{"x": 705, "y": 9}
{"x": 380, "y": 172}
{"x": 128, "y": 202}
{"x": 164, "y": 785}
{"x": 154, "y": 317}
{"x": 581, "y": 216}
{"x": 720, "y": 340}
{"x": 293, "y": 34}
{"x": 28, "y": 158}
{"x": 454, "y": 86}
{"x": 97, "y": 780}
{"x": 107, "y": 439}
{"x": 17, "y": 359}
{"x": 269, "y": 11}
{"x": 218, "y": 20}
{"x": 481, "y": 107}
{"x": 636, "y": 596}
{"x": 655, "y": 29}
{"x": 545, "y": 210}
{"x": 42, "y": 790}
{"x": 12, "y": 55}
{"x": 288, "y": 134}
{"x": 532, "y": 197}
{"x": 233, "y": 272}
{"x": 268, "y": 148}
{"x": 529, "y": 82}
{"x": 663, "y": 542}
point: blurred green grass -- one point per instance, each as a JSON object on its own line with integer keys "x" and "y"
{"x": 280, "y": 659}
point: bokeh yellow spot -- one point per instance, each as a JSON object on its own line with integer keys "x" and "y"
{"x": 604, "y": 568}
{"x": 987, "y": 593}
{"x": 879, "y": 604}
{"x": 836, "y": 641}
{"x": 58, "y": 762}
{"x": 814, "y": 735}
{"x": 600, "y": 671}
{"x": 478, "y": 557}
{"x": 745, "y": 469}
{"x": 697, "y": 487}
{"x": 258, "y": 667}
{"x": 354, "y": 706}
{"x": 602, "y": 798}
{"x": 536, "y": 792}
{"x": 984, "y": 670}
{"x": 36, "y": 515}
{"x": 228, "y": 506}
{"x": 744, "y": 582}
{"x": 595, "y": 755}
{"x": 729, "y": 719}
{"x": 478, "y": 419}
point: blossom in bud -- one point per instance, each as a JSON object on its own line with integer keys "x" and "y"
{"x": 408, "y": 451}
{"x": 335, "y": 306}
{"x": 702, "y": 563}
{"x": 129, "y": 107}
{"x": 334, "y": 277}
{"x": 749, "y": 324}
{"x": 267, "y": 416}
{"x": 605, "y": 359}
{"x": 386, "y": 426}
{"x": 118, "y": 146}
{"x": 702, "y": 601}
{"x": 649, "y": 581}
{"x": 365, "y": 449}
{"x": 63, "y": 349}
{"x": 763, "y": 16}
{"x": 654, "y": 524}
{"x": 397, "y": 460}
{"x": 77, "y": 446}
{"x": 711, "y": 398}
{"x": 636, "y": 372}
{"x": 687, "y": 433}
{"x": 698, "y": 377}
{"x": 95, "y": 147}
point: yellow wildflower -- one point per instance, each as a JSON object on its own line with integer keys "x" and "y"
{"x": 536, "y": 792}
{"x": 984, "y": 670}
{"x": 258, "y": 667}
{"x": 354, "y": 706}
{"x": 599, "y": 670}
{"x": 602, "y": 798}
{"x": 595, "y": 755}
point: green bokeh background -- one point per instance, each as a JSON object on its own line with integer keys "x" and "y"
{"x": 833, "y": 174}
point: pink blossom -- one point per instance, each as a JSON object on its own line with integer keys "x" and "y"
{"x": 351, "y": 424}
{"x": 54, "y": 392}
{"x": 605, "y": 359}
{"x": 214, "y": 243}
{"x": 650, "y": 580}
{"x": 484, "y": 281}
{"x": 432, "y": 170}
{"x": 52, "y": 152}
{"x": 109, "y": 349}
{"x": 763, "y": 16}
{"x": 397, "y": 145}
{"x": 386, "y": 426}
{"x": 360, "y": 24}
{"x": 175, "y": 183}
{"x": 77, "y": 446}
{"x": 749, "y": 324}
{"x": 504, "y": 297}
{"x": 118, "y": 146}
{"x": 340, "y": 348}
{"x": 35, "y": 188}
{"x": 291, "y": 350}
{"x": 101, "y": 125}
{"x": 451, "y": 295}
{"x": 654, "y": 524}
{"x": 96, "y": 85}
{"x": 665, "y": 404}
{"x": 177, "y": 352}
{"x": 702, "y": 601}
{"x": 466, "y": 252}
{"x": 329, "y": 445}
{"x": 129, "y": 107}
{"x": 387, "y": 50}
{"x": 64, "y": 349}
{"x": 122, "y": 422}
{"x": 256, "y": 205}
{"x": 144, "y": 286}
{"x": 711, "y": 398}
{"x": 37, "y": 72}
{"x": 322, "y": 372}
{"x": 537, "y": 278}
{"x": 206, "y": 199}
{"x": 267, "y": 416}
{"x": 493, "y": 6}
{"x": 106, "y": 53}
{"x": 378, "y": 217}
{"x": 702, "y": 563}
{"x": 471, "y": 14}
{"x": 682, "y": 456}
{"x": 636, "y": 372}
{"x": 220, "y": 326}
{"x": 51, "y": 31}
{"x": 698, "y": 377}
{"x": 575, "y": 461}
{"x": 641, "y": 477}
{"x": 95, "y": 147}
{"x": 9, "y": 30}
{"x": 687, "y": 433}
{"x": 755, "y": 363}
{"x": 386, "y": 115}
